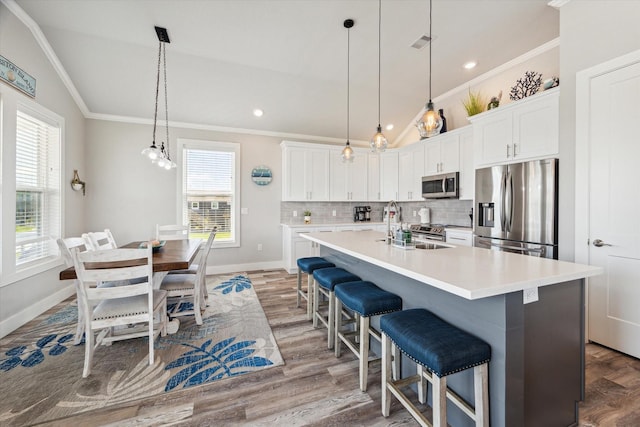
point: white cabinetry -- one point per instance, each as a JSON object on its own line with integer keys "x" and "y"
{"x": 305, "y": 172}
{"x": 348, "y": 180}
{"x": 523, "y": 130}
{"x": 442, "y": 154}
{"x": 389, "y": 175}
{"x": 373, "y": 177}
{"x": 460, "y": 237}
{"x": 410, "y": 172}
{"x": 466, "y": 188}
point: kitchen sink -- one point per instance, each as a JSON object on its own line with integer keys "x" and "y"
{"x": 430, "y": 246}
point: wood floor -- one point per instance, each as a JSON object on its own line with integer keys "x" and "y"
{"x": 314, "y": 388}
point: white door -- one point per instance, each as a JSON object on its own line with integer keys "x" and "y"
{"x": 614, "y": 207}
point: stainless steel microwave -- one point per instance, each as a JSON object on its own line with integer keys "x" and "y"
{"x": 441, "y": 186}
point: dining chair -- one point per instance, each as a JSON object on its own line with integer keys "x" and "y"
{"x": 187, "y": 287}
{"x": 114, "y": 312}
{"x": 172, "y": 232}
{"x": 66, "y": 245}
{"x": 100, "y": 240}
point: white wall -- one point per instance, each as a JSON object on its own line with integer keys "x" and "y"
{"x": 129, "y": 195}
{"x": 591, "y": 32}
{"x": 23, "y": 299}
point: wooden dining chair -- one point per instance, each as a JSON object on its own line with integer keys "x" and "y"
{"x": 119, "y": 312}
{"x": 99, "y": 240}
{"x": 65, "y": 246}
{"x": 187, "y": 287}
{"x": 172, "y": 232}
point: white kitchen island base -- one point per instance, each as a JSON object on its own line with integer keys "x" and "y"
{"x": 536, "y": 374}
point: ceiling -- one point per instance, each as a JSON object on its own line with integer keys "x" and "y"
{"x": 287, "y": 57}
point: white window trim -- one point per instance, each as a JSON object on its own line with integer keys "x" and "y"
{"x": 10, "y": 103}
{"x": 196, "y": 144}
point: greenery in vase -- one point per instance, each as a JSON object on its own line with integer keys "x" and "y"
{"x": 307, "y": 213}
{"x": 475, "y": 103}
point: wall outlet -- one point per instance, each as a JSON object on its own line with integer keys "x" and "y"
{"x": 295, "y": 213}
{"x": 333, "y": 213}
{"x": 529, "y": 295}
{"x": 259, "y": 246}
{"x": 414, "y": 213}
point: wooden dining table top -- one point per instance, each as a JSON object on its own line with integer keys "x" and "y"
{"x": 174, "y": 255}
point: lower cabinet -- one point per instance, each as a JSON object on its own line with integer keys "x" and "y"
{"x": 459, "y": 237}
{"x": 295, "y": 246}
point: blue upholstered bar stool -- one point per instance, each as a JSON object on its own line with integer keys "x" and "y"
{"x": 442, "y": 349}
{"x": 309, "y": 265}
{"x": 325, "y": 280}
{"x": 366, "y": 300}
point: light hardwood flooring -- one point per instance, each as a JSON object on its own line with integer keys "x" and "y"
{"x": 315, "y": 388}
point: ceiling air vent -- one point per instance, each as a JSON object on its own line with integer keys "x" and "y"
{"x": 421, "y": 42}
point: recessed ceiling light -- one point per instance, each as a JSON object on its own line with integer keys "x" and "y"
{"x": 258, "y": 112}
{"x": 389, "y": 126}
{"x": 469, "y": 65}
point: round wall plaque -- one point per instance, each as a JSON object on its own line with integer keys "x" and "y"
{"x": 261, "y": 175}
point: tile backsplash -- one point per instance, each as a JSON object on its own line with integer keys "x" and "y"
{"x": 444, "y": 211}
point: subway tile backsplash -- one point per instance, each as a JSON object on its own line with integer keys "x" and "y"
{"x": 445, "y": 211}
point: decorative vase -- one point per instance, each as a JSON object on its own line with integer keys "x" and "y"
{"x": 307, "y": 219}
{"x": 443, "y": 129}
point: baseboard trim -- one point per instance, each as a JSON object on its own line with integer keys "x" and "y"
{"x": 233, "y": 268}
{"x": 14, "y": 322}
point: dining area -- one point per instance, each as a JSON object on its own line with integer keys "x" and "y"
{"x": 136, "y": 290}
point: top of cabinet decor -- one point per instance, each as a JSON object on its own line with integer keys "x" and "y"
{"x": 549, "y": 93}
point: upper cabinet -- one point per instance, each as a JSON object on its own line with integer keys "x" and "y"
{"x": 467, "y": 181}
{"x": 305, "y": 172}
{"x": 523, "y": 130}
{"x": 389, "y": 175}
{"x": 348, "y": 180}
{"x": 442, "y": 154}
{"x": 373, "y": 177}
{"x": 410, "y": 172}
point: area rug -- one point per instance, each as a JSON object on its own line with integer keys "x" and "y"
{"x": 41, "y": 369}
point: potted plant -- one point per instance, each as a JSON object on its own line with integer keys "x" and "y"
{"x": 307, "y": 217}
{"x": 474, "y": 104}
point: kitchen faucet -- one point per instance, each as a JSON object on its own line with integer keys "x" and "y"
{"x": 389, "y": 234}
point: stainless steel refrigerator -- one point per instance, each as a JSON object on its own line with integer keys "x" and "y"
{"x": 517, "y": 208}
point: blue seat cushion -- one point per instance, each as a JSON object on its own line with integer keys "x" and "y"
{"x": 310, "y": 264}
{"x": 367, "y": 299}
{"x": 435, "y": 344}
{"x": 328, "y": 278}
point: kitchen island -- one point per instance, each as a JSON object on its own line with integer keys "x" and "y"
{"x": 536, "y": 374}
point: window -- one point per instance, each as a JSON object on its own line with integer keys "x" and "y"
{"x": 209, "y": 183}
{"x": 38, "y": 205}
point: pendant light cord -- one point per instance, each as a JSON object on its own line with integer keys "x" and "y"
{"x": 155, "y": 113}
{"x": 379, "y": 26}
{"x": 166, "y": 102}
{"x": 348, "y": 85}
{"x": 430, "y": 43}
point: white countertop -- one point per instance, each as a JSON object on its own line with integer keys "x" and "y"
{"x": 468, "y": 272}
{"x": 333, "y": 224}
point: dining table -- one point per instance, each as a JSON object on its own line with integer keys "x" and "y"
{"x": 172, "y": 255}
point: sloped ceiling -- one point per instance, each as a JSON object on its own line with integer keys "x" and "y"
{"x": 287, "y": 57}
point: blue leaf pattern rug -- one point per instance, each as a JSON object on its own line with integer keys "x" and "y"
{"x": 41, "y": 369}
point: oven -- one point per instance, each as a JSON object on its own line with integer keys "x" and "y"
{"x": 425, "y": 232}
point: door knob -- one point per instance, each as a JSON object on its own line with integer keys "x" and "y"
{"x": 600, "y": 243}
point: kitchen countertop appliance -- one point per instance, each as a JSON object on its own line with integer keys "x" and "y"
{"x": 361, "y": 213}
{"x": 421, "y": 232}
{"x": 517, "y": 208}
{"x": 442, "y": 186}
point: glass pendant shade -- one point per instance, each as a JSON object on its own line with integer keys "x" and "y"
{"x": 347, "y": 153}
{"x": 430, "y": 123}
{"x": 151, "y": 152}
{"x": 379, "y": 142}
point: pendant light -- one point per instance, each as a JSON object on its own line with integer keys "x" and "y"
{"x": 430, "y": 123}
{"x": 379, "y": 142}
{"x": 347, "y": 151}
{"x": 161, "y": 156}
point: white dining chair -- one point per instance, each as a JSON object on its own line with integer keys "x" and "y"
{"x": 172, "y": 232}
{"x": 113, "y": 312}
{"x": 65, "y": 246}
{"x": 187, "y": 287}
{"x": 100, "y": 240}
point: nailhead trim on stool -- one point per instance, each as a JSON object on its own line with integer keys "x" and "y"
{"x": 325, "y": 280}
{"x": 309, "y": 265}
{"x": 442, "y": 349}
{"x": 367, "y": 300}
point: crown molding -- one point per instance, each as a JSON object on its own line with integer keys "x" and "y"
{"x": 483, "y": 77}
{"x": 48, "y": 51}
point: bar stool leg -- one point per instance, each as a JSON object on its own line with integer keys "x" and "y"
{"x": 439, "y": 401}
{"x": 310, "y": 281}
{"x": 481, "y": 392}
{"x": 316, "y": 303}
{"x": 330, "y": 320}
{"x": 337, "y": 342}
{"x": 422, "y": 385}
{"x": 299, "y": 287}
{"x": 364, "y": 351}
{"x": 386, "y": 369}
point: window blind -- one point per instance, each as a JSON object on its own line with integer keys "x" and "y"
{"x": 38, "y": 205}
